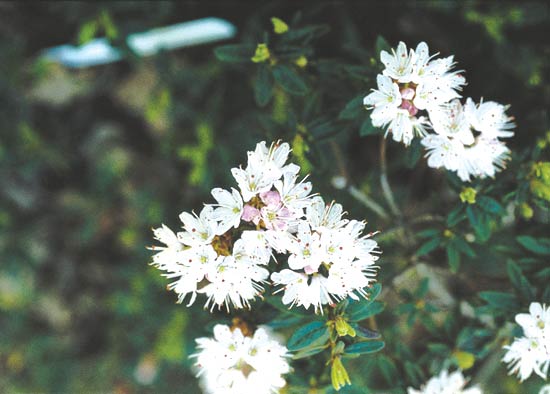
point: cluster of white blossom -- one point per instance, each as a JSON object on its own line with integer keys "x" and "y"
{"x": 418, "y": 96}
{"x": 532, "y": 351}
{"x": 225, "y": 250}
{"x": 446, "y": 383}
{"x": 232, "y": 363}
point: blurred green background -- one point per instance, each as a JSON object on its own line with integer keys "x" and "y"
{"x": 91, "y": 159}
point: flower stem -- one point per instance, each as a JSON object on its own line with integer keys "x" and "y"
{"x": 386, "y": 189}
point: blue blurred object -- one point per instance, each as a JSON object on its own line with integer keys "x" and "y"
{"x": 100, "y": 51}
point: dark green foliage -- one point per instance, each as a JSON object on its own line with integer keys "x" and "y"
{"x": 92, "y": 159}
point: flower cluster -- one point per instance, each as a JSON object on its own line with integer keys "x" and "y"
{"x": 446, "y": 383}
{"x": 532, "y": 351}
{"x": 418, "y": 96}
{"x": 224, "y": 251}
{"x": 232, "y": 363}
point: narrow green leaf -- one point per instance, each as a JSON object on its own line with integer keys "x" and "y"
{"x": 365, "y": 347}
{"x": 374, "y": 291}
{"x": 364, "y": 332}
{"x": 428, "y": 246}
{"x": 387, "y": 368}
{"x": 479, "y": 223}
{"x": 353, "y": 109}
{"x": 234, "y": 53}
{"x": 368, "y": 129}
{"x": 361, "y": 311}
{"x": 456, "y": 216}
{"x": 490, "y": 205}
{"x": 263, "y": 87}
{"x": 381, "y": 45}
{"x": 289, "y": 80}
{"x": 463, "y": 246}
{"x": 500, "y": 300}
{"x": 453, "y": 257}
{"x": 304, "y": 353}
{"x": 538, "y": 246}
{"x": 428, "y": 233}
{"x": 312, "y": 334}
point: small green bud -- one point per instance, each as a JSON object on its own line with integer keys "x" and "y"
{"x": 301, "y": 61}
{"x": 464, "y": 360}
{"x": 338, "y": 374}
{"x": 262, "y": 53}
{"x": 279, "y": 26}
{"x": 468, "y": 195}
{"x": 526, "y": 211}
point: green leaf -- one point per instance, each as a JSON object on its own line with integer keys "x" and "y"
{"x": 263, "y": 88}
{"x": 304, "y": 353}
{"x": 456, "y": 216}
{"x": 234, "y": 53}
{"x": 500, "y": 300}
{"x": 277, "y": 303}
{"x": 374, "y": 291}
{"x": 353, "y": 109}
{"x": 538, "y": 246}
{"x": 363, "y": 310}
{"x": 368, "y": 129}
{"x": 285, "y": 321}
{"x": 479, "y": 223}
{"x": 428, "y": 246}
{"x": 364, "y": 332}
{"x": 453, "y": 257}
{"x": 387, "y": 368}
{"x": 289, "y": 80}
{"x": 429, "y": 233}
{"x": 414, "y": 372}
{"x": 463, "y": 246}
{"x": 413, "y": 153}
{"x": 365, "y": 347}
{"x": 381, "y": 45}
{"x": 312, "y": 334}
{"x": 490, "y": 205}
{"x": 306, "y": 33}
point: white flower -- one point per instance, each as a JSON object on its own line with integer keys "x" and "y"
{"x": 545, "y": 389}
{"x": 490, "y": 119}
{"x": 531, "y": 353}
{"x": 231, "y": 363}
{"x": 199, "y": 230}
{"x": 449, "y": 120}
{"x": 302, "y": 290}
{"x": 536, "y": 323}
{"x": 525, "y": 356}
{"x": 229, "y": 208}
{"x": 319, "y": 215}
{"x": 411, "y": 82}
{"x": 327, "y": 264}
{"x": 399, "y": 64}
{"x": 385, "y": 101}
{"x": 446, "y": 383}
{"x": 486, "y": 157}
{"x": 265, "y": 166}
{"x": 454, "y": 146}
{"x": 393, "y": 108}
{"x": 188, "y": 264}
{"x": 172, "y": 252}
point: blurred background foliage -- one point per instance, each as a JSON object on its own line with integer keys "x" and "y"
{"x": 91, "y": 159}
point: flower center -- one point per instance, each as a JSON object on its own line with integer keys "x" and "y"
{"x": 407, "y": 95}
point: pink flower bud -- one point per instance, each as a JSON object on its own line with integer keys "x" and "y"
{"x": 250, "y": 214}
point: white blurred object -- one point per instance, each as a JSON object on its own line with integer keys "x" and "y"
{"x": 148, "y": 43}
